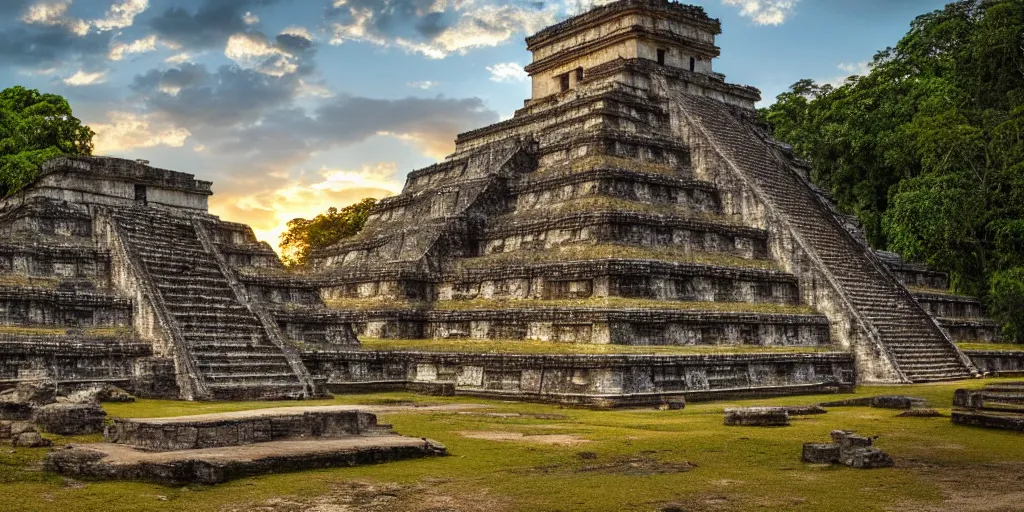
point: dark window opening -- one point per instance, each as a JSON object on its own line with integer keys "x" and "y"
{"x": 693, "y": 64}
{"x": 140, "y": 193}
{"x": 661, "y": 56}
{"x": 579, "y": 75}
{"x": 564, "y": 82}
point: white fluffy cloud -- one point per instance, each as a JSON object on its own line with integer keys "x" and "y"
{"x": 507, "y": 72}
{"x": 765, "y": 12}
{"x": 478, "y": 25}
{"x": 254, "y": 51}
{"x": 119, "y": 15}
{"x": 81, "y": 78}
{"x": 119, "y": 50}
{"x": 126, "y": 131}
{"x": 424, "y": 85}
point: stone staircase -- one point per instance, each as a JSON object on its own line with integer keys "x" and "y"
{"x": 917, "y": 346}
{"x": 234, "y": 356}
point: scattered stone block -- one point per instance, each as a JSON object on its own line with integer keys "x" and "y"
{"x": 865, "y": 458}
{"x": 70, "y": 419}
{"x": 102, "y": 393}
{"x": 821, "y": 453}
{"x": 848, "y": 449}
{"x": 31, "y": 440}
{"x": 31, "y": 393}
{"x": 675, "y": 404}
{"x": 880, "y": 402}
{"x": 756, "y": 417}
{"x": 920, "y": 413}
{"x": 994, "y": 406}
{"x": 804, "y": 410}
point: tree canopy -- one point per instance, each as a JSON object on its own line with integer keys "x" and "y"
{"x": 34, "y": 128}
{"x": 928, "y": 148}
{"x": 305, "y": 236}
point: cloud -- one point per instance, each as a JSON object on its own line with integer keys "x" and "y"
{"x": 268, "y": 211}
{"x": 426, "y": 84}
{"x": 54, "y": 14}
{"x": 81, "y": 78}
{"x": 848, "y": 70}
{"x": 191, "y": 96}
{"x": 435, "y": 28}
{"x": 255, "y": 51}
{"x": 765, "y": 12}
{"x": 250, "y": 18}
{"x": 209, "y": 26}
{"x": 121, "y": 15}
{"x": 507, "y": 72}
{"x": 126, "y": 131}
{"x": 119, "y": 50}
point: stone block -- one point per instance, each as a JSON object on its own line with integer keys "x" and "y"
{"x": 70, "y": 419}
{"x": 31, "y": 440}
{"x": 100, "y": 393}
{"x": 897, "y": 402}
{"x": 821, "y": 453}
{"x": 33, "y": 393}
{"x": 756, "y": 417}
{"x": 865, "y": 458}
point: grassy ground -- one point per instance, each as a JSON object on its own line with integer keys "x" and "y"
{"x": 640, "y": 459}
{"x": 547, "y": 347}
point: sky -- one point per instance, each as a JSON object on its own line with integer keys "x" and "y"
{"x": 294, "y": 106}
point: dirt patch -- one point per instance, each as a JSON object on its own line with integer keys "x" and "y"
{"x": 971, "y": 487}
{"x": 638, "y": 466}
{"x": 547, "y": 439}
{"x": 360, "y": 496}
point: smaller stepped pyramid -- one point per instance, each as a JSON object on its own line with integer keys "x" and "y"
{"x": 633, "y": 200}
{"x": 114, "y": 271}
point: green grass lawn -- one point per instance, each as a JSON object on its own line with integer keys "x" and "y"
{"x": 982, "y": 345}
{"x": 623, "y": 460}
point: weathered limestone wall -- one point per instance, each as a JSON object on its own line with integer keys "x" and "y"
{"x": 604, "y": 381}
{"x": 70, "y": 361}
{"x": 998, "y": 361}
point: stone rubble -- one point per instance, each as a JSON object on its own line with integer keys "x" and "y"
{"x": 848, "y": 449}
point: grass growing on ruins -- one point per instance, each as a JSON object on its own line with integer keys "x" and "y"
{"x": 549, "y": 458}
{"x": 377, "y": 304}
{"x": 590, "y": 204}
{"x": 613, "y": 162}
{"x": 984, "y": 345}
{"x": 22, "y": 281}
{"x": 547, "y": 347}
{"x": 930, "y": 291}
{"x": 583, "y": 252}
{"x": 31, "y": 331}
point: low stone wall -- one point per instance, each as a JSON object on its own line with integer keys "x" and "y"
{"x": 593, "y": 380}
{"x": 998, "y": 362}
{"x": 68, "y": 361}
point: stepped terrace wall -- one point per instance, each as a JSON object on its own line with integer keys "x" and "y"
{"x": 595, "y": 380}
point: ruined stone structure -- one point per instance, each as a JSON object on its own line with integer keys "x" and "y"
{"x": 994, "y": 406}
{"x": 113, "y": 271}
{"x": 633, "y": 200}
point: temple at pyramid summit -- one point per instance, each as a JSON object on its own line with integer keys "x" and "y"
{"x": 630, "y": 235}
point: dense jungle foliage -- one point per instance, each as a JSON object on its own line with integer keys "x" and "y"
{"x": 928, "y": 148}
{"x": 34, "y": 128}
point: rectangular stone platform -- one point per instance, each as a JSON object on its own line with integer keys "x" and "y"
{"x": 242, "y": 428}
{"x": 994, "y": 406}
{"x": 217, "y": 465}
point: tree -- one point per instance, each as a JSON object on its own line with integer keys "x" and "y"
{"x": 305, "y": 236}
{"x": 928, "y": 148}
{"x": 34, "y": 128}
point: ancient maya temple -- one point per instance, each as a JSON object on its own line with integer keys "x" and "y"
{"x": 632, "y": 202}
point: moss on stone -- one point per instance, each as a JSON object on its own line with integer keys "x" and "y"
{"x": 986, "y": 345}
{"x": 583, "y": 252}
{"x": 546, "y": 347}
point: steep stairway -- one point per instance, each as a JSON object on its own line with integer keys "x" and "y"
{"x": 235, "y": 358}
{"x": 919, "y": 348}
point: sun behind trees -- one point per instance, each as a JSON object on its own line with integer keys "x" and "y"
{"x": 34, "y": 128}
{"x": 304, "y": 236}
{"x": 928, "y": 149}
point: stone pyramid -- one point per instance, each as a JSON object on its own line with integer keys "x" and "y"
{"x": 633, "y": 200}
